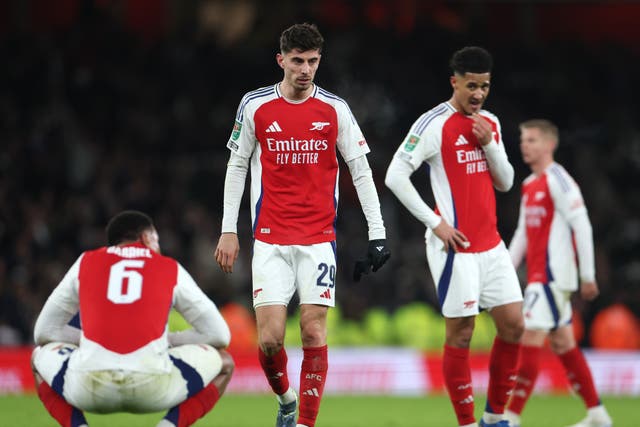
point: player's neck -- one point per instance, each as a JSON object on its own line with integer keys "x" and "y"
{"x": 294, "y": 95}
{"x": 541, "y": 166}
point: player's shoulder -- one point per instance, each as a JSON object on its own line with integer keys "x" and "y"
{"x": 330, "y": 98}
{"x": 558, "y": 175}
{"x": 529, "y": 179}
{"x": 433, "y": 117}
{"x": 256, "y": 97}
{"x": 488, "y": 114}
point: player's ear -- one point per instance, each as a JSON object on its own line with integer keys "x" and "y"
{"x": 453, "y": 80}
{"x": 280, "y": 60}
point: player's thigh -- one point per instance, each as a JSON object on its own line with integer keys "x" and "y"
{"x": 272, "y": 273}
{"x": 499, "y": 281}
{"x": 315, "y": 270}
{"x": 546, "y": 308}
{"x": 51, "y": 360}
{"x": 456, "y": 277}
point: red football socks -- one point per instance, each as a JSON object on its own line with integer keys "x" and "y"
{"x": 275, "y": 369}
{"x": 579, "y": 376}
{"x": 457, "y": 377}
{"x": 526, "y": 379}
{"x": 312, "y": 379}
{"x": 503, "y": 367}
{"x": 60, "y": 409}
{"x": 197, "y": 405}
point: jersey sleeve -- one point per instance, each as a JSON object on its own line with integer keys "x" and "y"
{"x": 417, "y": 147}
{"x": 242, "y": 140}
{"x": 501, "y": 170}
{"x": 351, "y": 142}
{"x": 60, "y": 307}
{"x": 518, "y": 244}
{"x": 569, "y": 203}
{"x": 202, "y": 313}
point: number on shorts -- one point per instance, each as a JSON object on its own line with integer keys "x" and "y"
{"x": 120, "y": 293}
{"x": 324, "y": 269}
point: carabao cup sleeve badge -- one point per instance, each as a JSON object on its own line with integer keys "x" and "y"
{"x": 412, "y": 141}
{"x": 235, "y": 134}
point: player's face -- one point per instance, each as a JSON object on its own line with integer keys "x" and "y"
{"x": 299, "y": 71}
{"x": 470, "y": 91}
{"x": 535, "y": 146}
{"x": 151, "y": 240}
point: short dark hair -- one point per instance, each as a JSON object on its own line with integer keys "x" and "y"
{"x": 471, "y": 59}
{"x": 127, "y": 226}
{"x": 303, "y": 37}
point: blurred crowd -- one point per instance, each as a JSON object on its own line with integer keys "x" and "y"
{"x": 100, "y": 113}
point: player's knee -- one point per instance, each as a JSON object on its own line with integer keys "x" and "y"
{"x": 512, "y": 331}
{"x": 228, "y": 365}
{"x": 313, "y": 335}
{"x": 560, "y": 345}
{"x": 270, "y": 344}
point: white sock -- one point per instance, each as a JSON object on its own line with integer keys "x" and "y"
{"x": 470, "y": 425}
{"x": 165, "y": 423}
{"x": 490, "y": 418}
{"x": 598, "y": 412}
{"x": 300, "y": 425}
{"x": 512, "y": 416}
{"x": 288, "y": 396}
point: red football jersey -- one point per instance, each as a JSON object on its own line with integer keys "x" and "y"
{"x": 125, "y": 296}
{"x": 293, "y": 149}
{"x": 459, "y": 173}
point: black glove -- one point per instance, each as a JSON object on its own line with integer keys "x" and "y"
{"x": 377, "y": 255}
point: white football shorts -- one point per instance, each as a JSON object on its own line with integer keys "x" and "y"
{"x": 108, "y": 391}
{"x": 279, "y": 270}
{"x": 468, "y": 282}
{"x": 545, "y": 307}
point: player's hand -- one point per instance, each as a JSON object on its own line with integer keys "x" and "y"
{"x": 227, "y": 251}
{"x": 451, "y": 237}
{"x": 377, "y": 255}
{"x": 589, "y": 290}
{"x": 482, "y": 129}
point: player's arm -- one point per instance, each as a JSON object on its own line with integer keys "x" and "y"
{"x": 368, "y": 196}
{"x": 518, "y": 244}
{"x": 209, "y": 327}
{"x": 63, "y": 303}
{"x": 570, "y": 204}
{"x": 228, "y": 246}
{"x": 501, "y": 170}
{"x": 398, "y": 179}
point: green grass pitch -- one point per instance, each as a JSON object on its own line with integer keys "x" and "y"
{"x": 337, "y": 411}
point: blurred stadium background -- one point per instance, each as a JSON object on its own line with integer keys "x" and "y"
{"x": 107, "y": 105}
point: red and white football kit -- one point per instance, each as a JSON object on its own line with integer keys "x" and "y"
{"x": 553, "y": 227}
{"x": 463, "y": 175}
{"x": 123, "y": 361}
{"x": 292, "y": 148}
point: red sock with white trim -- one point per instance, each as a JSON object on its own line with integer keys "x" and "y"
{"x": 60, "y": 409}
{"x": 195, "y": 407}
{"x": 579, "y": 376}
{"x": 312, "y": 379}
{"x": 457, "y": 377}
{"x": 526, "y": 378}
{"x": 503, "y": 367}
{"x": 275, "y": 369}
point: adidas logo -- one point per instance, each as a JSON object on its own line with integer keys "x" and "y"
{"x": 461, "y": 141}
{"x": 312, "y": 392}
{"x": 326, "y": 294}
{"x": 274, "y": 127}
